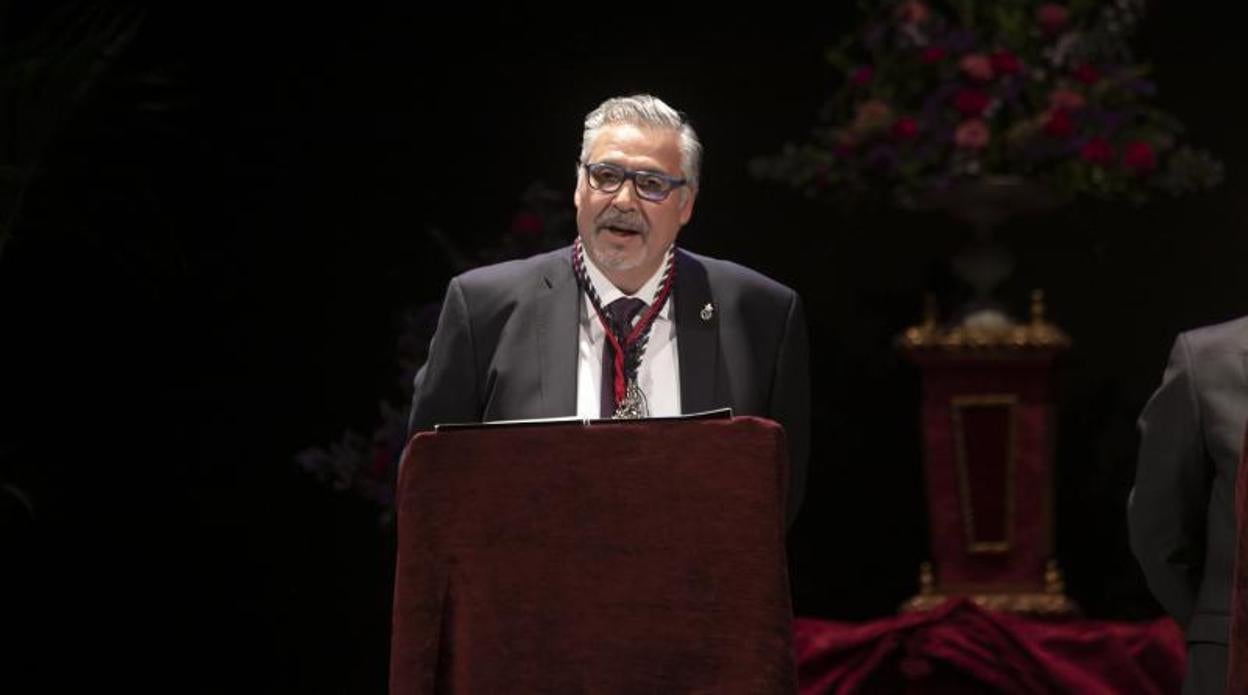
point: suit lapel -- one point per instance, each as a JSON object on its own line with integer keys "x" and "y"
{"x": 697, "y": 339}
{"x": 558, "y": 312}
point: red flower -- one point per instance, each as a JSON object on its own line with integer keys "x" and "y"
{"x": 970, "y": 102}
{"x": 862, "y": 76}
{"x": 1005, "y": 63}
{"x": 932, "y": 54}
{"x": 905, "y": 128}
{"x": 1052, "y": 17}
{"x": 1138, "y": 157}
{"x": 526, "y": 224}
{"x": 1097, "y": 151}
{"x": 1058, "y": 124}
{"x": 1087, "y": 74}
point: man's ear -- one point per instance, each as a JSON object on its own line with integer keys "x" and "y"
{"x": 687, "y": 196}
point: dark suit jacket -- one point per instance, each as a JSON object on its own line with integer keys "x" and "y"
{"x": 1181, "y": 511}
{"x": 506, "y": 348}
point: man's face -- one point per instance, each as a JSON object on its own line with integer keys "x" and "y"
{"x": 626, "y": 235}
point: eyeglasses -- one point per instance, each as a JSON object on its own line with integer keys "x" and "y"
{"x": 650, "y": 185}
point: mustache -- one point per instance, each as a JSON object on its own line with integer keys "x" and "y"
{"x": 622, "y": 220}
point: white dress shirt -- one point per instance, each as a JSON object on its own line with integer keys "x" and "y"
{"x": 659, "y": 373}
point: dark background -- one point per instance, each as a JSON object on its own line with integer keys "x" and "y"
{"x": 198, "y": 291}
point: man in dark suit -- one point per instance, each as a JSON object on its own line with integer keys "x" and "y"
{"x": 1182, "y": 509}
{"x": 622, "y": 323}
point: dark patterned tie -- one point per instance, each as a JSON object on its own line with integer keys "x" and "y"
{"x": 620, "y": 314}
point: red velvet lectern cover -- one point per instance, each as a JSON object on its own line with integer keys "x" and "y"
{"x": 620, "y": 557}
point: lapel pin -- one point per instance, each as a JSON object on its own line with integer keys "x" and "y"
{"x": 707, "y": 312}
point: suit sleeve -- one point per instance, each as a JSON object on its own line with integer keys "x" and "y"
{"x": 790, "y": 401}
{"x": 1167, "y": 508}
{"x": 445, "y": 389}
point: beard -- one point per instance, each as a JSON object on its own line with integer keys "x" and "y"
{"x": 610, "y": 243}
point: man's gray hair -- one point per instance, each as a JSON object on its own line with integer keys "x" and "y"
{"x": 645, "y": 111}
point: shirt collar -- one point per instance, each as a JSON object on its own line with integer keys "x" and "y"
{"x": 608, "y": 292}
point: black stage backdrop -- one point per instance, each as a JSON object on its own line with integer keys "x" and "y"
{"x": 210, "y": 275}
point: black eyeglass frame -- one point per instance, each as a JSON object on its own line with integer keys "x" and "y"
{"x": 672, "y": 182}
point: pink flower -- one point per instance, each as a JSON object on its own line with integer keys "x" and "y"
{"x": 970, "y": 102}
{"x": 861, "y": 77}
{"x": 905, "y": 128}
{"x": 912, "y": 12}
{"x": 1097, "y": 151}
{"x": 972, "y": 135}
{"x": 1058, "y": 124}
{"x": 1138, "y": 157}
{"x": 1052, "y": 17}
{"x": 1087, "y": 74}
{"x": 932, "y": 54}
{"x": 1005, "y": 63}
{"x": 977, "y": 66}
{"x": 1065, "y": 99}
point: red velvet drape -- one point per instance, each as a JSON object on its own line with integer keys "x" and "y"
{"x": 961, "y": 648}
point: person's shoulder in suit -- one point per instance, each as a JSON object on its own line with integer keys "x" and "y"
{"x": 507, "y": 276}
{"x": 1211, "y": 340}
{"x": 1214, "y": 356}
{"x": 733, "y": 279}
{"x": 495, "y": 290}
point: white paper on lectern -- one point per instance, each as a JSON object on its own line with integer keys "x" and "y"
{"x": 719, "y": 413}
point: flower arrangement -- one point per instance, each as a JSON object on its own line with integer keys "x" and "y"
{"x": 937, "y": 93}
